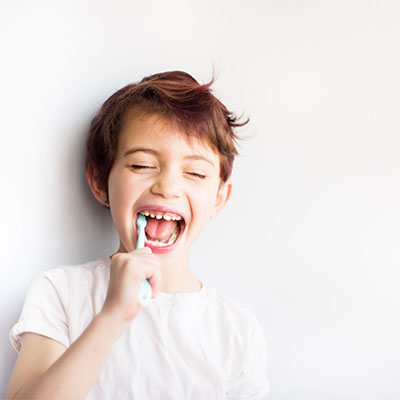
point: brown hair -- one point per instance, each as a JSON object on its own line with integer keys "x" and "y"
{"x": 174, "y": 95}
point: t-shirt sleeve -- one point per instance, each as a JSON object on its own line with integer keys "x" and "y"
{"x": 45, "y": 309}
{"x": 253, "y": 383}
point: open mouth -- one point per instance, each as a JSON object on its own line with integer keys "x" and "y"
{"x": 163, "y": 229}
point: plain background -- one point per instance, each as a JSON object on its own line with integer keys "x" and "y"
{"x": 310, "y": 239}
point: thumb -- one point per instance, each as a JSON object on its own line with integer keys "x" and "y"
{"x": 144, "y": 250}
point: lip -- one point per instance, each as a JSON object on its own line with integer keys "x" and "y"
{"x": 164, "y": 210}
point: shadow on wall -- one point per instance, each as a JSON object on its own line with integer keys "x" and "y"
{"x": 88, "y": 229}
{"x": 78, "y": 229}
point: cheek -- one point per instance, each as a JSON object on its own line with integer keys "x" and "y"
{"x": 204, "y": 205}
{"x": 120, "y": 186}
{"x": 122, "y": 197}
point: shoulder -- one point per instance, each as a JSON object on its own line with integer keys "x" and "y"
{"x": 87, "y": 272}
{"x": 68, "y": 282}
{"x": 231, "y": 312}
{"x": 226, "y": 303}
{"x": 61, "y": 300}
{"x": 91, "y": 267}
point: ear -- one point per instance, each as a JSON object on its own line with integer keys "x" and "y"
{"x": 223, "y": 195}
{"x": 99, "y": 194}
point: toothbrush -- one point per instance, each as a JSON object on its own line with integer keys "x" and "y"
{"x": 145, "y": 287}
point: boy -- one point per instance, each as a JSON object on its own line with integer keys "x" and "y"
{"x": 163, "y": 148}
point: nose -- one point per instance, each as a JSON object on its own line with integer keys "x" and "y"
{"x": 167, "y": 185}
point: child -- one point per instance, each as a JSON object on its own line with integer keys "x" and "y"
{"x": 164, "y": 148}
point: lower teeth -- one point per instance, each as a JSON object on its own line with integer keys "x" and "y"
{"x": 173, "y": 237}
{"x": 159, "y": 243}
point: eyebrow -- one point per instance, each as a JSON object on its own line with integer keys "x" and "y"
{"x": 156, "y": 153}
{"x": 143, "y": 149}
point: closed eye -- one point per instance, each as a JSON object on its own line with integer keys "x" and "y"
{"x": 135, "y": 166}
{"x": 196, "y": 175}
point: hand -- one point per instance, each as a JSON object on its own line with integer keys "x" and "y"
{"x": 127, "y": 271}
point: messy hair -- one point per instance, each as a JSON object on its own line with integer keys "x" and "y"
{"x": 175, "y": 96}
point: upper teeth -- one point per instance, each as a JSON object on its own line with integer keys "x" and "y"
{"x": 167, "y": 216}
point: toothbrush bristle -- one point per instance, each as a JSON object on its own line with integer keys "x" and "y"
{"x": 142, "y": 221}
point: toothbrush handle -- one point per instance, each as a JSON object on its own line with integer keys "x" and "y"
{"x": 144, "y": 293}
{"x": 140, "y": 241}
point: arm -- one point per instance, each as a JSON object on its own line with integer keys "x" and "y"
{"x": 46, "y": 369}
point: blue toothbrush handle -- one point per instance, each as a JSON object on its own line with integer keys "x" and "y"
{"x": 140, "y": 241}
{"x": 144, "y": 293}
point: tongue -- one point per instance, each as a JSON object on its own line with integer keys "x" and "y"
{"x": 159, "y": 229}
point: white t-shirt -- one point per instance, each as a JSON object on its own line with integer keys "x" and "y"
{"x": 198, "y": 345}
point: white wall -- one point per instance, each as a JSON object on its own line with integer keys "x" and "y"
{"x": 310, "y": 239}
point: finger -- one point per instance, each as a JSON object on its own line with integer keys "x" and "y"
{"x": 155, "y": 282}
{"x": 147, "y": 269}
{"x": 142, "y": 250}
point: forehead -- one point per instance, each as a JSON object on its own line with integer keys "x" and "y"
{"x": 159, "y": 132}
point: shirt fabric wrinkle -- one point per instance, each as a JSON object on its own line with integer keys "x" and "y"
{"x": 183, "y": 346}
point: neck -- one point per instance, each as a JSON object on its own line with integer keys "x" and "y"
{"x": 176, "y": 276}
{"x": 181, "y": 282}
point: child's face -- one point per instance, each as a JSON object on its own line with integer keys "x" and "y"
{"x": 158, "y": 171}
